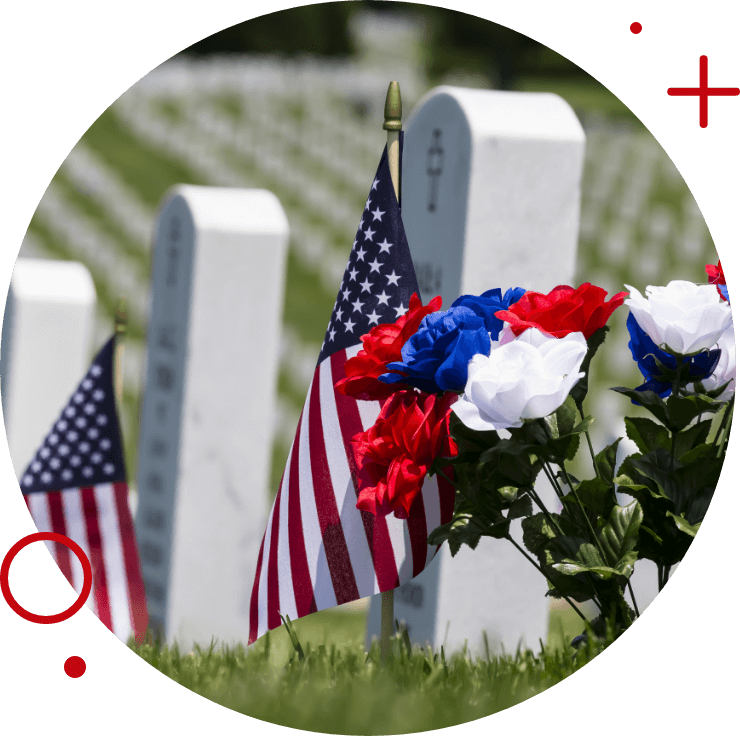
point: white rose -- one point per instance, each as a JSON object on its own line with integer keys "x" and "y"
{"x": 685, "y": 317}
{"x": 527, "y": 378}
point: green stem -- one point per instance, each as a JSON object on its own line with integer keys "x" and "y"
{"x": 547, "y": 577}
{"x": 543, "y": 508}
{"x": 632, "y": 595}
{"x": 551, "y": 477}
{"x": 585, "y": 515}
{"x": 590, "y": 446}
{"x": 725, "y": 426}
{"x": 551, "y": 519}
{"x": 676, "y": 392}
{"x": 508, "y": 536}
{"x": 598, "y": 475}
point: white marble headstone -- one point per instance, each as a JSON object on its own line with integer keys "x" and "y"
{"x": 490, "y": 195}
{"x": 46, "y": 348}
{"x": 205, "y": 441}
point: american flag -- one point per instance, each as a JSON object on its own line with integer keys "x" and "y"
{"x": 76, "y": 486}
{"x": 319, "y": 550}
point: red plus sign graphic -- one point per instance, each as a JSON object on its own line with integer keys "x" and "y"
{"x": 703, "y": 92}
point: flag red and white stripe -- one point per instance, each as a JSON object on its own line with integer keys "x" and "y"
{"x": 99, "y": 519}
{"x": 319, "y": 550}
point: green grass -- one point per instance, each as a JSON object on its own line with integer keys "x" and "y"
{"x": 338, "y": 687}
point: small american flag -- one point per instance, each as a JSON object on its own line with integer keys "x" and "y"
{"x": 76, "y": 486}
{"x": 319, "y": 550}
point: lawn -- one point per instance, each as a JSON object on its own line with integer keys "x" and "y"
{"x": 335, "y": 686}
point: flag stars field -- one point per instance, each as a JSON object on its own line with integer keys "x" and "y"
{"x": 61, "y": 454}
{"x": 371, "y": 240}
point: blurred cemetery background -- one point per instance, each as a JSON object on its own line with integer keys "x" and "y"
{"x": 292, "y": 102}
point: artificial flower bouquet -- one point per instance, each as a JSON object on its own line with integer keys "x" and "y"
{"x": 489, "y": 394}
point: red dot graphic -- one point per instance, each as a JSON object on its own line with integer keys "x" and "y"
{"x": 636, "y": 27}
{"x": 75, "y": 667}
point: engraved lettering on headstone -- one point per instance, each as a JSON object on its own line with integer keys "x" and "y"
{"x": 154, "y": 518}
{"x": 158, "y": 447}
{"x": 164, "y": 377}
{"x": 161, "y": 411}
{"x": 412, "y": 594}
{"x": 435, "y": 157}
{"x": 154, "y": 483}
{"x": 154, "y": 591}
{"x": 429, "y": 278}
{"x": 151, "y": 553}
{"x": 172, "y": 251}
{"x": 166, "y": 337}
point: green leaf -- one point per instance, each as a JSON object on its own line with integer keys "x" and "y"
{"x": 565, "y": 448}
{"x": 584, "y": 424}
{"x": 698, "y": 504}
{"x": 522, "y": 507}
{"x": 473, "y": 518}
{"x": 574, "y": 568}
{"x": 532, "y": 433}
{"x": 692, "y": 437}
{"x": 464, "y": 435}
{"x": 683, "y": 525}
{"x": 518, "y": 469}
{"x": 537, "y": 532}
{"x": 512, "y": 447}
{"x": 620, "y": 534}
{"x": 698, "y": 453}
{"x": 626, "y": 565}
{"x": 646, "y": 434}
{"x": 714, "y": 393}
{"x": 682, "y": 410}
{"x": 563, "y": 419}
{"x": 606, "y": 461}
{"x": 648, "y": 400}
{"x": 658, "y": 466}
{"x": 596, "y": 495}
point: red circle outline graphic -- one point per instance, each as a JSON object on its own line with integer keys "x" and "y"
{"x": 87, "y": 578}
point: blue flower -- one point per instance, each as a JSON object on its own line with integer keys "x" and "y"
{"x": 723, "y": 290}
{"x": 487, "y": 304}
{"x": 645, "y": 352}
{"x": 436, "y": 357}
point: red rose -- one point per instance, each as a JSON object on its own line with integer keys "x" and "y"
{"x": 716, "y": 273}
{"x": 395, "y": 454}
{"x": 716, "y": 276}
{"x": 382, "y": 345}
{"x": 563, "y": 310}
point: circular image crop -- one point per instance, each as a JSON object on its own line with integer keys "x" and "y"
{"x": 382, "y": 477}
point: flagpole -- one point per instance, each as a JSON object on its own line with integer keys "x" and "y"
{"x": 392, "y": 124}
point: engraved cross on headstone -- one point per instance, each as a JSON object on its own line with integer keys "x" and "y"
{"x": 435, "y": 157}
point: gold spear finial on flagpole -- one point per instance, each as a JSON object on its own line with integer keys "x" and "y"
{"x": 120, "y": 318}
{"x": 392, "y": 124}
